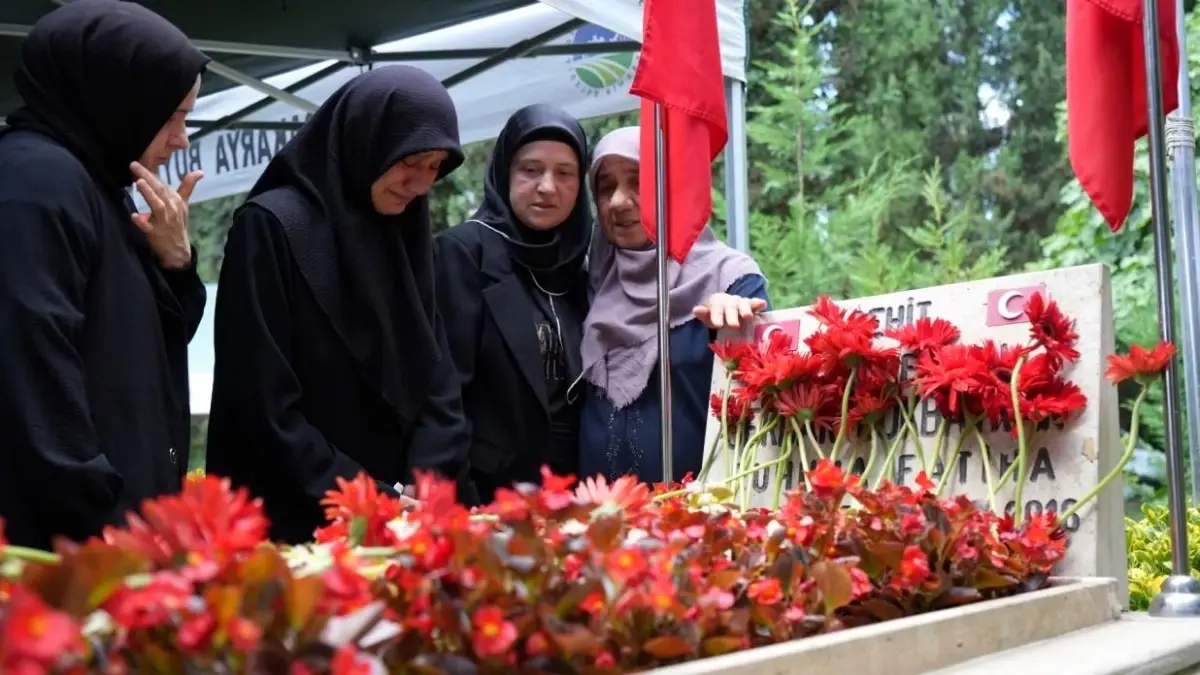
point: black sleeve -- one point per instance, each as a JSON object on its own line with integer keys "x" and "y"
{"x": 45, "y": 420}
{"x": 256, "y": 393}
{"x": 441, "y": 440}
{"x": 459, "y": 289}
{"x": 189, "y": 290}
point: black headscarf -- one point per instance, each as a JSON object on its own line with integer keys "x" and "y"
{"x": 102, "y": 77}
{"x": 372, "y": 274}
{"x": 558, "y": 255}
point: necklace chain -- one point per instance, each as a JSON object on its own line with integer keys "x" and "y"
{"x": 532, "y": 274}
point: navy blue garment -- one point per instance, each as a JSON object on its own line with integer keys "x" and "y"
{"x": 615, "y": 443}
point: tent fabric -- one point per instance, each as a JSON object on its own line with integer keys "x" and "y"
{"x": 625, "y": 17}
{"x": 307, "y": 24}
{"x": 585, "y": 85}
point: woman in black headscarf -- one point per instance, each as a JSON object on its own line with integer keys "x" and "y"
{"x": 512, "y": 282}
{"x": 330, "y": 356}
{"x": 95, "y": 315}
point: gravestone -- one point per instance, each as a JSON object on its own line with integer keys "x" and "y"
{"x": 1063, "y": 464}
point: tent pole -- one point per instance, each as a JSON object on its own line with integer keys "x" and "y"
{"x": 222, "y": 123}
{"x": 737, "y": 200}
{"x": 1181, "y": 147}
{"x": 514, "y": 52}
{"x": 1180, "y": 595}
{"x": 664, "y": 294}
{"x": 238, "y": 77}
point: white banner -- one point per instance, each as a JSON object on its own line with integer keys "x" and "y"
{"x": 586, "y": 86}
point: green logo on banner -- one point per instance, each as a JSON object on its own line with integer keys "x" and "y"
{"x": 600, "y": 74}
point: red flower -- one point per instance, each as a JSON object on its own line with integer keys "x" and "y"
{"x": 1057, "y": 399}
{"x": 556, "y": 493}
{"x": 925, "y": 335}
{"x": 867, "y": 409}
{"x": 959, "y": 382}
{"x": 152, "y": 605}
{"x": 828, "y": 479}
{"x": 626, "y": 493}
{"x": 914, "y": 568}
{"x": 733, "y": 352}
{"x": 494, "y": 635}
{"x": 208, "y": 524}
{"x": 625, "y": 563}
{"x": 348, "y": 661}
{"x": 3, "y": 541}
{"x": 1141, "y": 364}
{"x": 1051, "y": 329}
{"x": 738, "y": 407}
{"x": 358, "y": 511}
{"x": 34, "y": 637}
{"x": 765, "y": 591}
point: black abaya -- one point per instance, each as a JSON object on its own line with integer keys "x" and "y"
{"x": 519, "y": 297}
{"x": 93, "y": 333}
{"x": 330, "y": 354}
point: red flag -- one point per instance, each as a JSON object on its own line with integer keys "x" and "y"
{"x": 1106, "y": 94}
{"x": 680, "y": 68}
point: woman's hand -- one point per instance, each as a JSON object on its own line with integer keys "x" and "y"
{"x": 166, "y": 226}
{"x": 728, "y": 311}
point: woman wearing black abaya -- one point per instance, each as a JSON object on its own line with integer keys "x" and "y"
{"x": 513, "y": 282}
{"x": 330, "y": 356}
{"x": 95, "y": 315}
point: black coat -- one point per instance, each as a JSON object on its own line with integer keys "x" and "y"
{"x": 489, "y": 311}
{"x": 94, "y": 411}
{"x": 292, "y": 409}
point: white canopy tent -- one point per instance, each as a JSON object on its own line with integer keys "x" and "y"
{"x": 578, "y": 54}
{"x": 586, "y": 85}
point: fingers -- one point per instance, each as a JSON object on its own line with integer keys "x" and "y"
{"x": 730, "y": 309}
{"x": 158, "y": 207}
{"x": 757, "y": 304}
{"x": 701, "y": 312}
{"x": 143, "y": 222}
{"x": 188, "y": 184}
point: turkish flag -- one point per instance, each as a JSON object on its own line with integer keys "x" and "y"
{"x": 1106, "y": 95}
{"x": 680, "y": 68}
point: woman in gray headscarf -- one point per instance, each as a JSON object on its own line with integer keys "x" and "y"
{"x": 715, "y": 287}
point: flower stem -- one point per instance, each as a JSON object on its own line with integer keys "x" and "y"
{"x": 889, "y": 461}
{"x": 803, "y": 450}
{"x": 724, "y": 436}
{"x": 32, "y": 555}
{"x": 906, "y": 413}
{"x": 1022, "y": 443}
{"x": 711, "y": 456}
{"x": 756, "y": 468}
{"x": 786, "y": 455}
{"x": 987, "y": 468}
{"x": 841, "y": 434}
{"x": 873, "y": 451}
{"x": 939, "y": 442}
{"x": 952, "y": 464}
{"x": 751, "y": 451}
{"x": 1130, "y": 446}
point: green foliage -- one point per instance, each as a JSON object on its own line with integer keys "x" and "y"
{"x": 1081, "y": 236}
{"x": 850, "y": 238}
{"x": 1148, "y": 546}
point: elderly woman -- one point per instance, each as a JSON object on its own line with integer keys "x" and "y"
{"x": 715, "y": 287}
{"x": 512, "y": 286}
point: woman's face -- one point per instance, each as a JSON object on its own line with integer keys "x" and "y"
{"x": 617, "y": 203}
{"x": 410, "y": 178}
{"x": 543, "y": 184}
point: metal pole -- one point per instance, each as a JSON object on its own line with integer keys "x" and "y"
{"x": 664, "y": 294}
{"x": 1180, "y": 595}
{"x": 1181, "y": 146}
{"x": 737, "y": 200}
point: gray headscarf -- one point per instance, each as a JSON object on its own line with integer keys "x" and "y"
{"x": 619, "y": 335}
